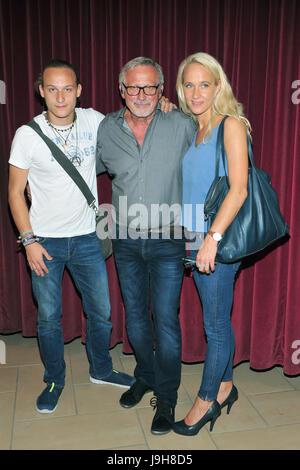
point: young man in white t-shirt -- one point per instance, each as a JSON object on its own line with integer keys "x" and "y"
{"x": 59, "y": 229}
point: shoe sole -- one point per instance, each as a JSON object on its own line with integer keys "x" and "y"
{"x": 102, "y": 382}
{"x": 161, "y": 432}
{"x": 45, "y": 411}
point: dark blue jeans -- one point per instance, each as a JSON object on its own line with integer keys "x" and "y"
{"x": 151, "y": 272}
{"x": 216, "y": 294}
{"x": 83, "y": 258}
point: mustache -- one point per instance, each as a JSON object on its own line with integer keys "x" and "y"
{"x": 142, "y": 102}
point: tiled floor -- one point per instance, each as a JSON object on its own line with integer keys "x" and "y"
{"x": 266, "y": 416}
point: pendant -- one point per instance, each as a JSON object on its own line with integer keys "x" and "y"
{"x": 65, "y": 145}
{"x": 76, "y": 160}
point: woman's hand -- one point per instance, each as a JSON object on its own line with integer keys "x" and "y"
{"x": 165, "y": 105}
{"x": 35, "y": 256}
{"x": 205, "y": 259}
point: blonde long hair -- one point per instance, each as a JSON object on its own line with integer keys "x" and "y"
{"x": 224, "y": 103}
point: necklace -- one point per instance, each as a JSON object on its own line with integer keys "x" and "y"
{"x": 75, "y": 159}
{"x": 64, "y": 142}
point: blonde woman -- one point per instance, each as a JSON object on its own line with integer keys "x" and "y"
{"x": 205, "y": 93}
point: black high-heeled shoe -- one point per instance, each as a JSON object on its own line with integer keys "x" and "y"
{"x": 232, "y": 397}
{"x": 180, "y": 427}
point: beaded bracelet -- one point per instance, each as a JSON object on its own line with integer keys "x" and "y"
{"x": 29, "y": 239}
{"x": 27, "y": 232}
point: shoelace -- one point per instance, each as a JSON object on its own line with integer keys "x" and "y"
{"x": 164, "y": 408}
{"x": 153, "y": 402}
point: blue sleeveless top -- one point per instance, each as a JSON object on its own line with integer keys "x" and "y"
{"x": 198, "y": 173}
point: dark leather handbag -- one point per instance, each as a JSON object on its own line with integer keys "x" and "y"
{"x": 258, "y": 222}
{"x": 62, "y": 159}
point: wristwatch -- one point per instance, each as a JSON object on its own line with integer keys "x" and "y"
{"x": 215, "y": 235}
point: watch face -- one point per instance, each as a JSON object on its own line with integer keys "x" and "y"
{"x": 217, "y": 236}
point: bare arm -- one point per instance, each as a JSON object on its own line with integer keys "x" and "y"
{"x": 235, "y": 141}
{"x": 35, "y": 252}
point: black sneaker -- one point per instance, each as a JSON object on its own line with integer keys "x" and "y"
{"x": 164, "y": 417}
{"x": 134, "y": 394}
{"x": 47, "y": 401}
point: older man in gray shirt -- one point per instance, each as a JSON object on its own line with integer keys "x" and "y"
{"x": 142, "y": 149}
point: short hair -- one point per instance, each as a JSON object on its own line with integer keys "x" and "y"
{"x": 56, "y": 63}
{"x": 138, "y": 61}
{"x": 225, "y": 102}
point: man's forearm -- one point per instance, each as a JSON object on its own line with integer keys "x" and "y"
{"x": 19, "y": 211}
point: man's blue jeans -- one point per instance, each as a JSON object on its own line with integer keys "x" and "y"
{"x": 153, "y": 268}
{"x": 216, "y": 294}
{"x": 83, "y": 258}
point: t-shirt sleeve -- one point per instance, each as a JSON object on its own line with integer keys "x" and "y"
{"x": 22, "y": 148}
{"x": 99, "y": 117}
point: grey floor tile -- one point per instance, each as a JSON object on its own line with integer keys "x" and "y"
{"x": 273, "y": 438}
{"x": 266, "y": 415}
{"x": 256, "y": 382}
{"x": 278, "y": 408}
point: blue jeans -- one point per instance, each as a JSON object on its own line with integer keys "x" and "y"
{"x": 83, "y": 258}
{"x": 216, "y": 294}
{"x": 148, "y": 266}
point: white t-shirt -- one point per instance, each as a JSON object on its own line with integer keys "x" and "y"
{"x": 58, "y": 207}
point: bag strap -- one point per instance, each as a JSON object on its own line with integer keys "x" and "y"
{"x": 63, "y": 160}
{"x": 221, "y": 148}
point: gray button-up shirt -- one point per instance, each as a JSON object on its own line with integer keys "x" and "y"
{"x": 147, "y": 180}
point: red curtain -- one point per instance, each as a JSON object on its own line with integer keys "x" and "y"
{"x": 258, "y": 43}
